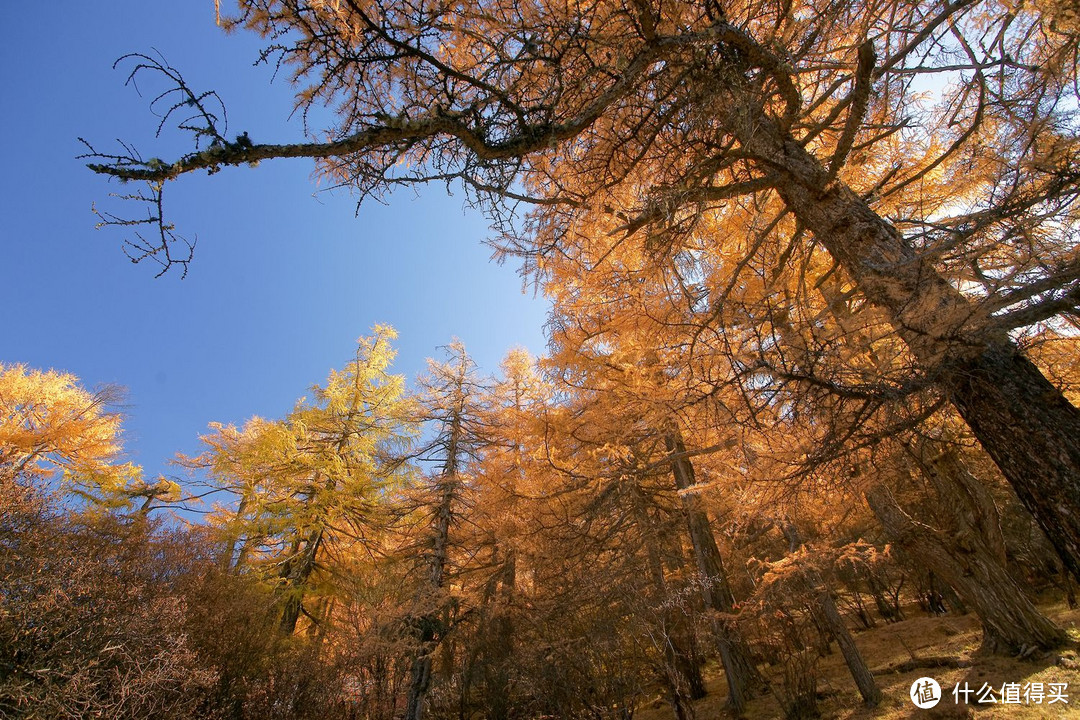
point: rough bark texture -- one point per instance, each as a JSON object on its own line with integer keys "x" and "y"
{"x": 864, "y": 679}
{"x": 967, "y": 500}
{"x": 741, "y": 673}
{"x": 1026, "y": 425}
{"x": 1011, "y": 623}
{"x": 1036, "y": 438}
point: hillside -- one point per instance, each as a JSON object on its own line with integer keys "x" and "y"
{"x": 945, "y": 648}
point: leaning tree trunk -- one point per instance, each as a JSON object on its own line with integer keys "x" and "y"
{"x": 860, "y": 672}
{"x": 966, "y": 500}
{"x": 1011, "y": 623}
{"x": 827, "y": 612}
{"x": 1025, "y": 423}
{"x": 741, "y": 673}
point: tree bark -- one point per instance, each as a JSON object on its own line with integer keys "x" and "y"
{"x": 967, "y": 501}
{"x": 1033, "y": 434}
{"x": 1011, "y": 624}
{"x": 500, "y": 643}
{"x": 1025, "y": 423}
{"x": 864, "y": 679}
{"x": 448, "y": 486}
{"x": 296, "y": 572}
{"x": 739, "y": 670}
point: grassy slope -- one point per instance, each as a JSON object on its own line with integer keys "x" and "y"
{"x": 888, "y": 647}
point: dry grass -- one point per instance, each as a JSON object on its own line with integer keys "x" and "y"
{"x": 888, "y": 647}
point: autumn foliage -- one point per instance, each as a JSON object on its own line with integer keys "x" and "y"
{"x": 812, "y": 370}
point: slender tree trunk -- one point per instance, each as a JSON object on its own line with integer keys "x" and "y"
{"x": 889, "y": 612}
{"x": 675, "y": 676}
{"x": 448, "y": 487}
{"x": 860, "y": 672}
{"x": 865, "y": 618}
{"x": 229, "y": 559}
{"x": 1025, "y": 424}
{"x": 826, "y": 610}
{"x": 739, "y": 670}
{"x": 1011, "y": 624}
{"x": 500, "y": 641}
{"x": 420, "y": 677}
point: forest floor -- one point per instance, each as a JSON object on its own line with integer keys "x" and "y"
{"x": 945, "y": 648}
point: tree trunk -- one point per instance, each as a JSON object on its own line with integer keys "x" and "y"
{"x": 741, "y": 673}
{"x": 500, "y": 643}
{"x": 296, "y": 572}
{"x": 965, "y": 499}
{"x": 1003, "y": 396}
{"x": 887, "y": 611}
{"x": 1011, "y": 624}
{"x": 1025, "y": 424}
{"x": 861, "y": 611}
{"x": 678, "y": 675}
{"x": 864, "y": 679}
{"x": 420, "y": 675}
{"x": 827, "y": 612}
{"x": 420, "y": 678}
{"x": 447, "y": 486}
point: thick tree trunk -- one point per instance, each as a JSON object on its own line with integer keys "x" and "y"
{"x": 968, "y": 502}
{"x": 420, "y": 676}
{"x": 296, "y": 572}
{"x": 1011, "y": 624}
{"x": 1026, "y": 425}
{"x": 1036, "y": 438}
{"x": 741, "y": 673}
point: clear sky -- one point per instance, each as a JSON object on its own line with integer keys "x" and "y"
{"x": 284, "y": 279}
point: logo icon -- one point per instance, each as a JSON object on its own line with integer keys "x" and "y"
{"x": 925, "y": 692}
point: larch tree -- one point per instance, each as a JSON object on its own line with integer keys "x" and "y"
{"x": 308, "y": 491}
{"x": 624, "y": 373}
{"x": 92, "y": 621}
{"x": 951, "y": 210}
{"x": 506, "y": 484}
{"x": 50, "y": 423}
{"x": 625, "y": 524}
{"x": 960, "y": 540}
{"x": 449, "y": 393}
{"x": 53, "y": 429}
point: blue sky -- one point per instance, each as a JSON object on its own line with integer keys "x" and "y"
{"x": 284, "y": 279}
